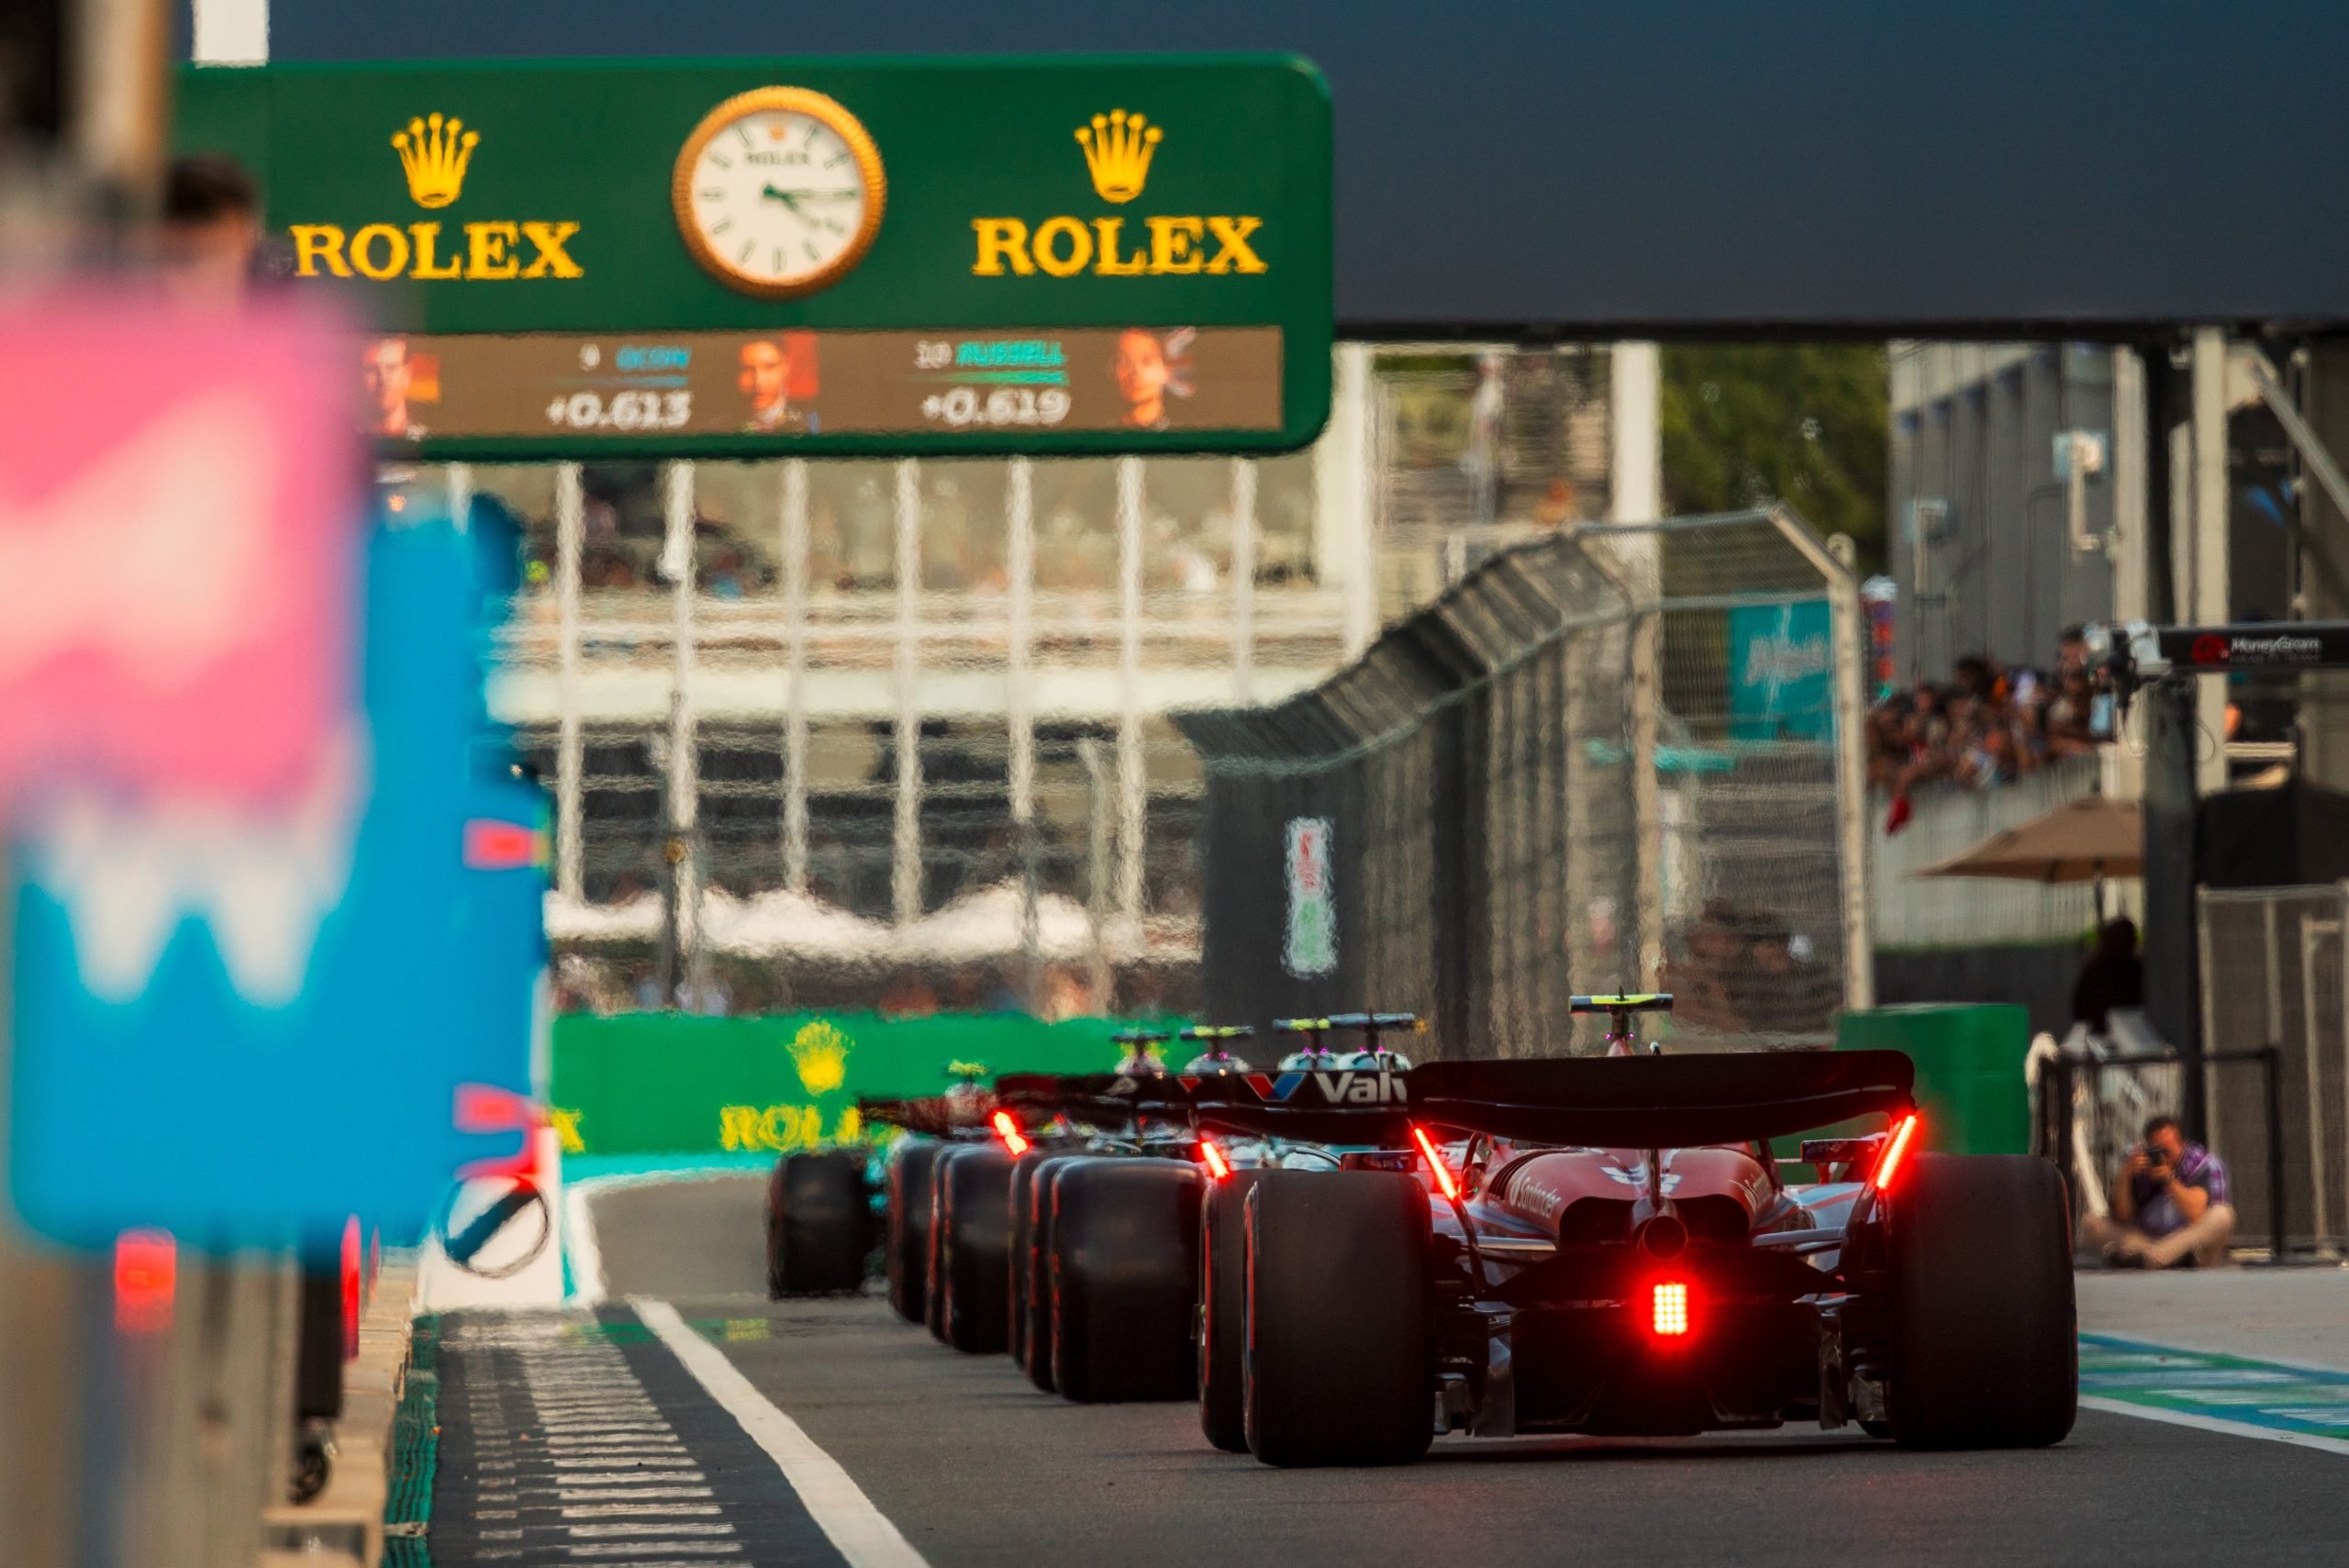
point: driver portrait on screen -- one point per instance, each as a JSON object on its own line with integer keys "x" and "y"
{"x": 765, "y": 381}
{"x": 1149, "y": 370}
{"x": 386, "y": 368}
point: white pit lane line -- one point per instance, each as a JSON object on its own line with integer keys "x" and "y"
{"x": 2212, "y": 1424}
{"x": 860, "y": 1531}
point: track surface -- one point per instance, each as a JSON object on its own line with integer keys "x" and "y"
{"x": 975, "y": 1467}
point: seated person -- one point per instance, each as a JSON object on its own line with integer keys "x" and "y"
{"x": 2168, "y": 1205}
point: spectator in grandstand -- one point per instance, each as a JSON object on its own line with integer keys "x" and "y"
{"x": 1700, "y": 975}
{"x": 909, "y": 997}
{"x": 706, "y": 996}
{"x": 2068, "y": 717}
{"x": 726, "y": 576}
{"x": 2170, "y": 1205}
{"x": 2072, "y": 652}
{"x": 2113, "y": 976}
{"x": 1989, "y": 726}
{"x": 1778, "y": 990}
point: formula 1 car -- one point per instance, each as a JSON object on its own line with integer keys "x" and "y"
{"x": 820, "y": 1219}
{"x": 1103, "y": 1259}
{"x": 1618, "y": 1252}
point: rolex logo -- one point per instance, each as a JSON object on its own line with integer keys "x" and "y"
{"x": 821, "y": 1052}
{"x": 435, "y": 151}
{"x": 1118, "y": 147}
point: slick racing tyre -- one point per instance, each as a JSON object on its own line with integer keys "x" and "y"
{"x": 909, "y": 1226}
{"x": 1036, "y": 1336}
{"x": 1021, "y": 1206}
{"x": 1985, "y": 1352}
{"x": 1223, "y": 1310}
{"x": 975, "y": 1250}
{"x": 934, "y": 1299}
{"x": 1125, "y": 1270}
{"x": 1339, "y": 1368}
{"x": 820, "y": 1224}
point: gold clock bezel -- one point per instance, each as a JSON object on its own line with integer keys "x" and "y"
{"x": 796, "y": 100}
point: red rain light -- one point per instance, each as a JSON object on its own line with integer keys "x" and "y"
{"x": 1668, "y": 1312}
{"x": 1217, "y": 1166}
{"x": 354, "y": 1289}
{"x": 1887, "y": 1165}
{"x": 1009, "y": 1130}
{"x": 1435, "y": 1163}
{"x": 146, "y": 1272}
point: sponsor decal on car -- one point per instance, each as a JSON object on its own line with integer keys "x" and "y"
{"x": 1381, "y": 1088}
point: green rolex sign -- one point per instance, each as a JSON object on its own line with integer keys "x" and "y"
{"x": 760, "y": 257}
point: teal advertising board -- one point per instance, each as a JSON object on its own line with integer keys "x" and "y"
{"x": 1782, "y": 667}
{"x": 763, "y": 257}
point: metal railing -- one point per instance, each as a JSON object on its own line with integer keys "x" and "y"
{"x": 1913, "y": 911}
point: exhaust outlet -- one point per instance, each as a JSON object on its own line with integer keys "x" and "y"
{"x": 1663, "y": 1236}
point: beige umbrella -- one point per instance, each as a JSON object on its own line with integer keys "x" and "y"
{"x": 2088, "y": 840}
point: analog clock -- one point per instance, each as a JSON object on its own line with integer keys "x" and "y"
{"x": 779, "y": 192}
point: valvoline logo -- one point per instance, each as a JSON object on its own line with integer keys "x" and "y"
{"x": 1336, "y": 1089}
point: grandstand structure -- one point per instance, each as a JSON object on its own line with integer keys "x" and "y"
{"x": 823, "y": 732}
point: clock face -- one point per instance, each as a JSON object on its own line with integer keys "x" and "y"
{"x": 779, "y": 192}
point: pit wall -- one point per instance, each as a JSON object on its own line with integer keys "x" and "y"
{"x": 672, "y": 1083}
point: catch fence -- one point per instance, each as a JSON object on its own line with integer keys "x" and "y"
{"x": 1623, "y": 756}
{"x": 2273, "y": 975}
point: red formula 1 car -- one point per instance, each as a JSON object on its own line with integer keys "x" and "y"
{"x": 1606, "y": 1245}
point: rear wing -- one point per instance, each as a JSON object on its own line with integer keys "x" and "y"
{"x": 1347, "y": 1106}
{"x": 1662, "y": 1102}
{"x": 939, "y": 1116}
{"x": 1095, "y": 1098}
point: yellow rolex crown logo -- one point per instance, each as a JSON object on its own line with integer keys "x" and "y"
{"x": 821, "y": 1052}
{"x": 1118, "y": 147}
{"x": 435, "y": 151}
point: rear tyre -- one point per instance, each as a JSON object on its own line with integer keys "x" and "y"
{"x": 1339, "y": 1368}
{"x": 1044, "y": 1201}
{"x": 819, "y": 1223}
{"x": 909, "y": 1226}
{"x": 1985, "y": 1349}
{"x": 1021, "y": 1204}
{"x": 933, "y": 1313}
{"x": 1125, "y": 1269}
{"x": 975, "y": 1250}
{"x": 1223, "y": 1311}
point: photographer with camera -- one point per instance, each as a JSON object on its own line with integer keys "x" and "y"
{"x": 2170, "y": 1205}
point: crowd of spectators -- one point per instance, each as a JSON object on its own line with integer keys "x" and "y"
{"x": 1987, "y": 725}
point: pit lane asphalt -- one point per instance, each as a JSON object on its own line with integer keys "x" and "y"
{"x": 975, "y": 1467}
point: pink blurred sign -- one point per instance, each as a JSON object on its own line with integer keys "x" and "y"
{"x": 179, "y": 524}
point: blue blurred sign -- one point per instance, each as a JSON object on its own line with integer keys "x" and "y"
{"x": 1781, "y": 670}
{"x": 247, "y": 1028}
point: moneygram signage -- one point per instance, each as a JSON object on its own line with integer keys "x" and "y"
{"x": 760, "y": 256}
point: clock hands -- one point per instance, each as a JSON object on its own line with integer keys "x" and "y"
{"x": 793, "y": 199}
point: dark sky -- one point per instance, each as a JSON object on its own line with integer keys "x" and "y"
{"x": 1710, "y": 163}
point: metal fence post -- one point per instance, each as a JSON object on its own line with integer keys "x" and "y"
{"x": 2272, "y": 1063}
{"x": 1847, "y": 630}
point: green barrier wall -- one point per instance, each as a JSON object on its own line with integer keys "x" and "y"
{"x": 665, "y": 1082}
{"x": 1969, "y": 1070}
